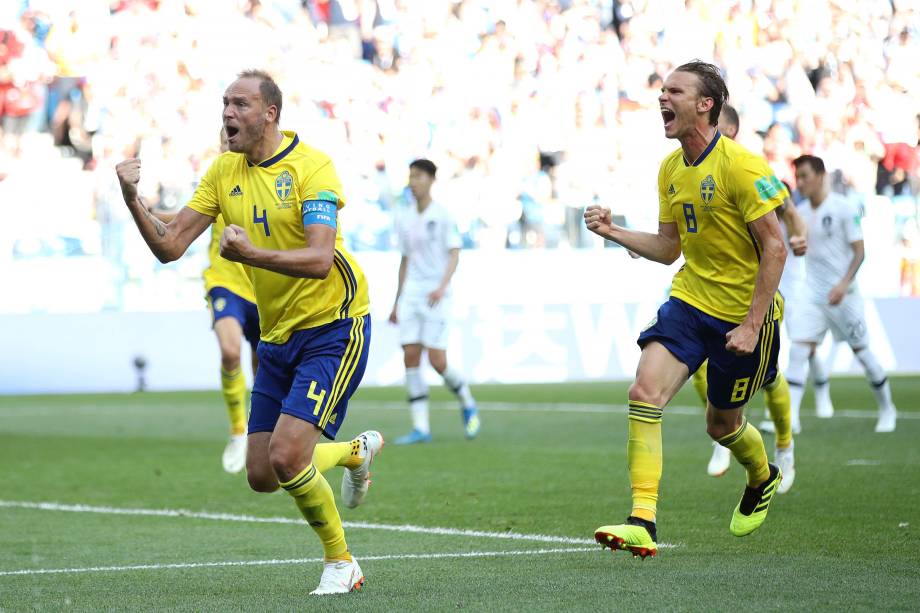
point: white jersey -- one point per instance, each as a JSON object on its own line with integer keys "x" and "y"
{"x": 427, "y": 238}
{"x": 792, "y": 283}
{"x": 832, "y": 227}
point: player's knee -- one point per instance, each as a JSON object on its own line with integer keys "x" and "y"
{"x": 717, "y": 431}
{"x": 639, "y": 391}
{"x": 438, "y": 362}
{"x": 723, "y": 426}
{"x": 261, "y": 480}
{"x": 412, "y": 356}
{"x": 800, "y": 352}
{"x": 286, "y": 458}
{"x": 229, "y": 359}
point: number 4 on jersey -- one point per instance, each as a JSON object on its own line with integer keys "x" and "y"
{"x": 262, "y": 220}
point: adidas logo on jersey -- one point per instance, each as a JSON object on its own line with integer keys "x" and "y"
{"x": 236, "y": 191}
{"x": 671, "y": 190}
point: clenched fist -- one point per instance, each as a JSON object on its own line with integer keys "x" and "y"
{"x": 599, "y": 220}
{"x": 799, "y": 245}
{"x": 743, "y": 339}
{"x": 129, "y": 174}
{"x": 235, "y": 245}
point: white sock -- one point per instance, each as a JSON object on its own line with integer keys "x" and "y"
{"x": 817, "y": 370}
{"x": 459, "y": 387}
{"x": 418, "y": 399}
{"x": 796, "y": 392}
{"x": 823, "y": 395}
{"x": 876, "y": 376}
{"x": 819, "y": 377}
{"x": 796, "y": 375}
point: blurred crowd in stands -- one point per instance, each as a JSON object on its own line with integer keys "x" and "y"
{"x": 532, "y": 109}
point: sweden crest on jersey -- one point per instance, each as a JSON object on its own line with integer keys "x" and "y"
{"x": 707, "y": 189}
{"x": 283, "y": 184}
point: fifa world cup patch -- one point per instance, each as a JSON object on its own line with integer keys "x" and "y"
{"x": 768, "y": 187}
{"x": 328, "y": 196}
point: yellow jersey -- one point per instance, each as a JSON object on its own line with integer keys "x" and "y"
{"x": 266, "y": 201}
{"x": 712, "y": 200}
{"x": 222, "y": 272}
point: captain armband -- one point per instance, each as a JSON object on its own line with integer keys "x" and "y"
{"x": 319, "y": 212}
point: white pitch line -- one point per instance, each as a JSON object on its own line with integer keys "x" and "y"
{"x": 82, "y": 508}
{"x": 612, "y": 409}
{"x": 407, "y": 556}
{"x": 505, "y": 407}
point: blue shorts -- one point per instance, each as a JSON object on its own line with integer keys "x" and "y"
{"x": 311, "y": 376}
{"x": 224, "y": 303}
{"x": 693, "y": 336}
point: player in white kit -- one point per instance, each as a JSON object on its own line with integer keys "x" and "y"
{"x": 830, "y": 299}
{"x": 792, "y": 287}
{"x": 430, "y": 246}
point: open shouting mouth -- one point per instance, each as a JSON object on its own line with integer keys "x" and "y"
{"x": 232, "y": 133}
{"x": 668, "y": 116}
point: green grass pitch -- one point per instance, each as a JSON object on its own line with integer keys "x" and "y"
{"x": 549, "y": 467}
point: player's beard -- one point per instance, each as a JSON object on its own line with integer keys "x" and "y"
{"x": 250, "y": 137}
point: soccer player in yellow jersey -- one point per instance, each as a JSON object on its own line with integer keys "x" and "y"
{"x": 776, "y": 392}
{"x": 234, "y": 315}
{"x": 280, "y": 200}
{"x": 716, "y": 203}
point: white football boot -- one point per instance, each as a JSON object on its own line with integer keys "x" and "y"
{"x": 887, "y": 419}
{"x": 785, "y": 459}
{"x": 824, "y": 408}
{"x": 340, "y": 577}
{"x": 355, "y": 481}
{"x": 720, "y": 461}
{"x": 234, "y": 458}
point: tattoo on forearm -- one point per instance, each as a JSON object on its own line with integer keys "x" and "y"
{"x": 159, "y": 225}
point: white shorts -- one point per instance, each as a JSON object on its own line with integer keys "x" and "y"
{"x": 808, "y": 322}
{"x": 420, "y": 324}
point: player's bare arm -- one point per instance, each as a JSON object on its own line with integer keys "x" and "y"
{"x": 796, "y": 228}
{"x": 743, "y": 339}
{"x": 840, "y": 290}
{"x": 403, "y": 268}
{"x": 453, "y": 259}
{"x": 312, "y": 262}
{"x": 164, "y": 216}
{"x": 167, "y": 241}
{"x": 663, "y": 247}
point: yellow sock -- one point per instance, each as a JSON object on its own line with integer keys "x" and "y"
{"x": 779, "y": 404}
{"x": 699, "y": 382}
{"x": 746, "y": 445}
{"x": 328, "y": 455}
{"x": 233, "y": 385}
{"x": 643, "y": 456}
{"x": 313, "y": 496}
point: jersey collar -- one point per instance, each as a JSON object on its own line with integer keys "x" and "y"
{"x": 281, "y": 154}
{"x": 706, "y": 151}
